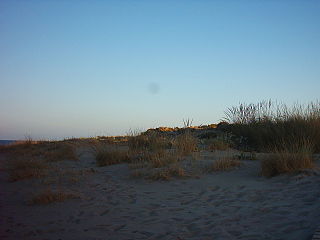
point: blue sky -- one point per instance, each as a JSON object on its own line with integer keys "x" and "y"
{"x": 87, "y": 68}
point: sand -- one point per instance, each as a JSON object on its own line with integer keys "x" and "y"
{"x": 238, "y": 204}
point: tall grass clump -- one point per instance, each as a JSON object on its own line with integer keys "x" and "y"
{"x": 267, "y": 123}
{"x": 225, "y": 164}
{"x": 288, "y": 157}
{"x": 105, "y": 155}
{"x": 185, "y": 144}
{"x": 59, "y": 151}
{"x": 153, "y": 142}
{"x": 217, "y": 144}
{"x": 111, "y": 157}
{"x": 151, "y": 150}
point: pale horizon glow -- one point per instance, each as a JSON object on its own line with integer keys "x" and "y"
{"x": 89, "y": 68}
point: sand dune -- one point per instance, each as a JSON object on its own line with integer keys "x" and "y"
{"x": 237, "y": 204}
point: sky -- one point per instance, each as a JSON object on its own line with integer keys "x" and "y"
{"x": 89, "y": 68}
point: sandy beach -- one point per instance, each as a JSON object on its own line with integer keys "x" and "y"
{"x": 159, "y": 120}
{"x": 112, "y": 204}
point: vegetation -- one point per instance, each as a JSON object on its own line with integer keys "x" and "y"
{"x": 148, "y": 142}
{"x": 288, "y": 157}
{"x": 290, "y": 134}
{"x": 225, "y": 164}
{"x": 185, "y": 144}
{"x": 48, "y": 196}
{"x": 267, "y": 123}
{"x": 59, "y": 151}
{"x": 110, "y": 157}
{"x": 24, "y": 167}
{"x": 168, "y": 173}
{"x": 246, "y": 156}
{"x": 217, "y": 144}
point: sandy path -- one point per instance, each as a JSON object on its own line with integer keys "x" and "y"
{"x": 230, "y": 205}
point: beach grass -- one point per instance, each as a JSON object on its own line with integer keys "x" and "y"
{"x": 288, "y": 157}
{"x": 48, "y": 196}
{"x": 266, "y": 123}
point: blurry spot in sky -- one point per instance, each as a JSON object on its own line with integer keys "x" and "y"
{"x": 153, "y": 88}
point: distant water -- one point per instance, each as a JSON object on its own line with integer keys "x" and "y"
{"x": 6, "y": 142}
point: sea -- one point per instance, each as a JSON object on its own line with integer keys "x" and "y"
{"x": 6, "y": 142}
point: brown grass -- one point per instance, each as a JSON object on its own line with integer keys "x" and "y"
{"x": 161, "y": 160}
{"x": 164, "y": 173}
{"x": 24, "y": 167}
{"x": 225, "y": 164}
{"x": 48, "y": 196}
{"x": 29, "y": 159}
{"x": 217, "y": 144}
{"x": 16, "y": 147}
{"x": 152, "y": 141}
{"x": 138, "y": 173}
{"x": 185, "y": 144}
{"x": 111, "y": 157}
{"x": 50, "y": 151}
{"x": 106, "y": 154}
{"x": 59, "y": 151}
{"x": 246, "y": 156}
{"x": 288, "y": 157}
{"x": 168, "y": 173}
{"x": 259, "y": 126}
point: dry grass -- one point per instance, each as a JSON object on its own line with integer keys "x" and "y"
{"x": 16, "y": 147}
{"x": 217, "y": 144}
{"x": 48, "y": 196}
{"x": 160, "y": 160}
{"x": 185, "y": 144}
{"x": 288, "y": 157}
{"x": 151, "y": 150}
{"x": 24, "y": 167}
{"x": 106, "y": 154}
{"x": 33, "y": 159}
{"x": 153, "y": 142}
{"x": 138, "y": 173}
{"x": 154, "y": 153}
{"x": 246, "y": 156}
{"x": 111, "y": 157}
{"x": 138, "y": 165}
{"x": 168, "y": 173}
{"x": 265, "y": 124}
{"x": 225, "y": 164}
{"x": 50, "y": 151}
{"x": 59, "y": 151}
{"x": 29, "y": 159}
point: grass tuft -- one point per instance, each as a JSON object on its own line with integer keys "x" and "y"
{"x": 225, "y": 164}
{"x": 59, "y": 152}
{"x": 288, "y": 157}
{"x": 111, "y": 157}
{"x": 217, "y": 144}
{"x": 168, "y": 173}
{"x": 152, "y": 141}
{"x": 24, "y": 167}
{"x": 48, "y": 196}
{"x": 185, "y": 144}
